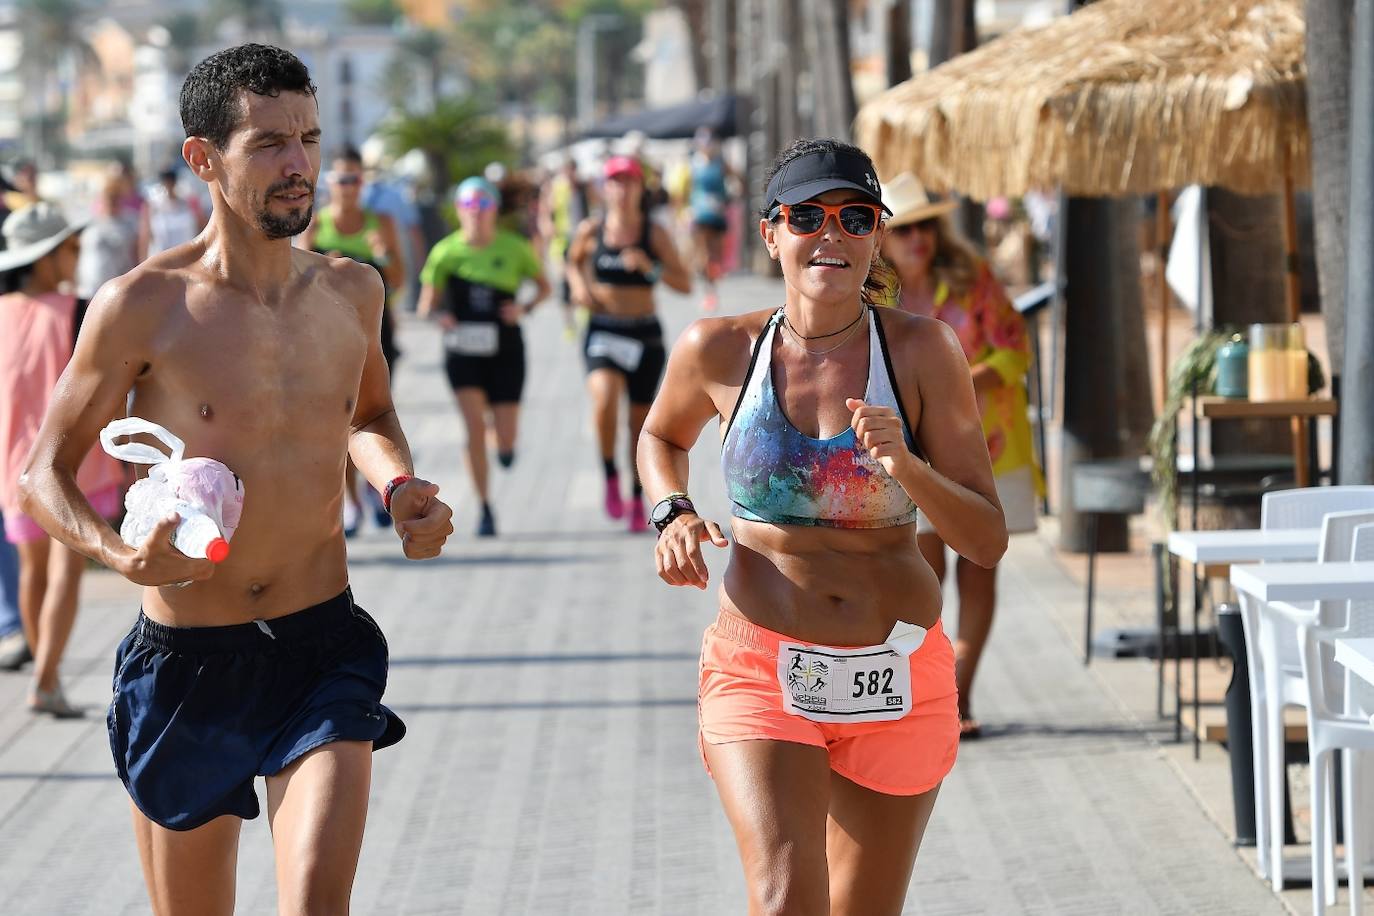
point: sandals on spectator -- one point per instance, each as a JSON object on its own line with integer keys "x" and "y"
{"x": 969, "y": 728}
{"x": 54, "y": 703}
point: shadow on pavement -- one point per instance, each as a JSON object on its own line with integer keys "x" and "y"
{"x": 1027, "y": 730}
{"x": 490, "y": 559}
{"x": 19, "y": 776}
{"x": 598, "y": 534}
{"x": 426, "y": 661}
{"x": 539, "y": 705}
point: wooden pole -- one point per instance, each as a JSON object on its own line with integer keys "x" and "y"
{"x": 1164, "y": 229}
{"x": 1293, "y": 296}
{"x": 1293, "y": 277}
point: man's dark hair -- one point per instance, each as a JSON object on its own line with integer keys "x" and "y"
{"x": 348, "y": 154}
{"x": 210, "y": 103}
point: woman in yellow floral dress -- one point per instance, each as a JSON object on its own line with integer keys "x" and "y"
{"x": 940, "y": 276}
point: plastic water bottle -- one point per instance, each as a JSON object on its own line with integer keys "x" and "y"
{"x": 206, "y": 495}
{"x": 197, "y": 535}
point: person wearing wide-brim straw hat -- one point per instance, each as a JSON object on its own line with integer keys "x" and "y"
{"x": 32, "y": 233}
{"x": 909, "y": 202}
{"x": 39, "y": 318}
{"x": 941, "y": 276}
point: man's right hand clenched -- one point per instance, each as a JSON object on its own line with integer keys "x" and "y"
{"x": 158, "y": 563}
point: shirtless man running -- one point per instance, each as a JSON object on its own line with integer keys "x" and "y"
{"x": 268, "y": 359}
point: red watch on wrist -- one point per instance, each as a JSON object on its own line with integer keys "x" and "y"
{"x": 391, "y": 486}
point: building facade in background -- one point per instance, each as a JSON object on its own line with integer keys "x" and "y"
{"x": 122, "y": 97}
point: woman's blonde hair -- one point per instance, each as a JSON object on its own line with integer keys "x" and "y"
{"x": 955, "y": 262}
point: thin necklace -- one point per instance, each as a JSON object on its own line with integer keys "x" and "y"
{"x": 853, "y": 328}
{"x": 793, "y": 328}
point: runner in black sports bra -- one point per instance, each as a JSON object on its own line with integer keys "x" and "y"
{"x": 623, "y": 345}
{"x": 608, "y": 264}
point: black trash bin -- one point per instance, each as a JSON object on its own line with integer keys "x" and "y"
{"x": 1239, "y": 729}
{"x": 1240, "y": 742}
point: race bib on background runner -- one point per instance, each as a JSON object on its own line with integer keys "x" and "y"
{"x": 473, "y": 338}
{"x": 867, "y": 684}
{"x": 625, "y": 352}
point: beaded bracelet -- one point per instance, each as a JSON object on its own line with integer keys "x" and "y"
{"x": 391, "y": 488}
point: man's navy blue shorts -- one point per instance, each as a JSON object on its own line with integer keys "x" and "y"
{"x": 199, "y": 712}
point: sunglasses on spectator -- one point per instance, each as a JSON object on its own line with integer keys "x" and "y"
{"x": 857, "y": 220}
{"x": 347, "y": 179}
{"x": 921, "y": 225}
{"x": 479, "y": 202}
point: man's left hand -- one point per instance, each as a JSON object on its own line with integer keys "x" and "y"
{"x": 423, "y": 521}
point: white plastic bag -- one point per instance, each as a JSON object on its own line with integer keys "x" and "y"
{"x": 202, "y": 491}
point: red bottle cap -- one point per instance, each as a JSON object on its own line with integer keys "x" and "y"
{"x": 217, "y": 551}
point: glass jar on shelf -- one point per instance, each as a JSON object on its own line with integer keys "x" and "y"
{"x": 1277, "y": 362}
{"x": 1233, "y": 368}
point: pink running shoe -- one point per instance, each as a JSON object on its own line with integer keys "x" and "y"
{"x": 615, "y": 503}
{"x": 710, "y": 302}
{"x": 639, "y": 522}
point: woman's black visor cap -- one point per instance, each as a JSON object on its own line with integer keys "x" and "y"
{"x": 815, "y": 173}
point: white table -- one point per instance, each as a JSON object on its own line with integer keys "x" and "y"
{"x": 1238, "y": 545}
{"x": 1298, "y": 582}
{"x": 1306, "y": 581}
{"x": 1246, "y": 545}
{"x": 1358, "y": 656}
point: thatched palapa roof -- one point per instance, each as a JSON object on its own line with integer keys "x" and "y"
{"x": 1122, "y": 97}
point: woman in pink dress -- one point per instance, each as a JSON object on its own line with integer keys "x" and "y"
{"x": 38, "y": 313}
{"x": 940, "y": 276}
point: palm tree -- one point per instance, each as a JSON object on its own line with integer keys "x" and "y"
{"x": 458, "y": 137}
{"x": 373, "y": 12}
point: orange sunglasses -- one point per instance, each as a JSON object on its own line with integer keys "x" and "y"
{"x": 856, "y": 220}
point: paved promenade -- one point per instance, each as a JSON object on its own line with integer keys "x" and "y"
{"x": 549, "y": 684}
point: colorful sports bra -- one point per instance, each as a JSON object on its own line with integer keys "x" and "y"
{"x": 776, "y": 474}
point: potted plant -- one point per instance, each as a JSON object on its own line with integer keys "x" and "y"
{"x": 1195, "y": 366}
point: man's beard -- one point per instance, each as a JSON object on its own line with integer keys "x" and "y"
{"x": 285, "y": 227}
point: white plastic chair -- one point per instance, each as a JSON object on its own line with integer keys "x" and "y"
{"x": 1347, "y": 728}
{"x": 1286, "y": 683}
{"x": 1284, "y": 509}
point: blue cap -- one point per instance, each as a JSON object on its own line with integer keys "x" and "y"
{"x": 477, "y": 185}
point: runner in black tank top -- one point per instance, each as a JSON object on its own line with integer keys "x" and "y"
{"x": 614, "y": 263}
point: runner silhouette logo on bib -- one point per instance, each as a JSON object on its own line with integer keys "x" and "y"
{"x": 825, "y": 684}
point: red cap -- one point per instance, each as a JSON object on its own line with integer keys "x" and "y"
{"x": 217, "y": 551}
{"x": 623, "y": 165}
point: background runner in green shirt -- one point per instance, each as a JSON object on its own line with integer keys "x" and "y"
{"x": 468, "y": 287}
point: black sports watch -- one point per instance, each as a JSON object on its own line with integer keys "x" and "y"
{"x": 669, "y": 508}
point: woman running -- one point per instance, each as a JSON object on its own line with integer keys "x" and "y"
{"x": 615, "y": 262}
{"x": 469, "y": 284}
{"x": 827, "y": 699}
{"x": 942, "y": 277}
